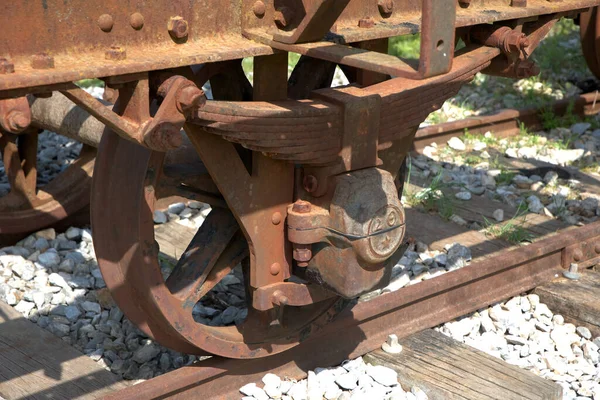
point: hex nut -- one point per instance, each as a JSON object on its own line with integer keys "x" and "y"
{"x": 301, "y": 207}
{"x": 42, "y": 61}
{"x": 6, "y": 67}
{"x": 386, "y": 7}
{"x": 366, "y": 23}
{"x": 178, "y": 27}
{"x": 116, "y": 53}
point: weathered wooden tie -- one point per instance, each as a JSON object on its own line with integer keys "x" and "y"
{"x": 447, "y": 369}
{"x": 576, "y": 300}
{"x": 35, "y": 364}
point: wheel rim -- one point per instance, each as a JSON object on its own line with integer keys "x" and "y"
{"x": 27, "y": 208}
{"x": 590, "y": 36}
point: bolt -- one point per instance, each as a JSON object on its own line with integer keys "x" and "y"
{"x": 572, "y": 272}
{"x": 366, "y": 23}
{"x": 106, "y": 22}
{"x": 17, "y": 122}
{"x": 259, "y": 9}
{"x": 136, "y": 20}
{"x": 6, "y": 67}
{"x": 42, "y": 61}
{"x": 310, "y": 183}
{"x": 302, "y": 254}
{"x": 283, "y": 17}
{"x": 301, "y": 207}
{"x": 115, "y": 53}
{"x": 386, "y": 7}
{"x": 578, "y": 255}
{"x": 519, "y": 3}
{"x": 279, "y": 299}
{"x": 276, "y": 218}
{"x": 391, "y": 345}
{"x": 275, "y": 268}
{"x": 178, "y": 27}
{"x": 190, "y": 97}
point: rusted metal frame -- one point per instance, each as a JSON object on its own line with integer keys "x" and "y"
{"x": 437, "y": 37}
{"x": 258, "y": 200}
{"x": 365, "y": 325}
{"x": 408, "y": 19}
{"x": 319, "y": 17}
{"x": 437, "y": 47}
{"x": 161, "y": 132}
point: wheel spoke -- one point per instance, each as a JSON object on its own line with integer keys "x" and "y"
{"x": 201, "y": 255}
{"x": 28, "y": 146}
{"x": 19, "y": 190}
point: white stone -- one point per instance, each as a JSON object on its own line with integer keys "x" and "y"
{"x": 498, "y": 215}
{"x": 24, "y": 307}
{"x": 271, "y": 379}
{"x": 383, "y": 375}
{"x": 299, "y": 391}
{"x": 456, "y": 144}
{"x": 463, "y": 195}
{"x": 347, "y": 381}
{"x": 254, "y": 391}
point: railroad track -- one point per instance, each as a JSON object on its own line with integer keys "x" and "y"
{"x": 497, "y": 272}
{"x": 302, "y": 178}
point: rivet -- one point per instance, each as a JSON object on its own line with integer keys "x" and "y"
{"x": 116, "y": 53}
{"x": 275, "y": 268}
{"x": 276, "y": 218}
{"x": 597, "y": 248}
{"x": 106, "y": 22}
{"x": 42, "y": 61}
{"x": 578, "y": 255}
{"x": 6, "y": 67}
{"x": 259, "y": 9}
{"x": 136, "y": 20}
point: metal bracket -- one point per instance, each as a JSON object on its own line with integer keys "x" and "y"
{"x": 585, "y": 253}
{"x": 320, "y": 17}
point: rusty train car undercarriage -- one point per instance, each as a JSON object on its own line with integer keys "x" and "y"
{"x": 304, "y": 179}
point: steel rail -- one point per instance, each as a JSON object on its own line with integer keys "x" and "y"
{"x": 362, "y": 327}
{"x": 504, "y": 123}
